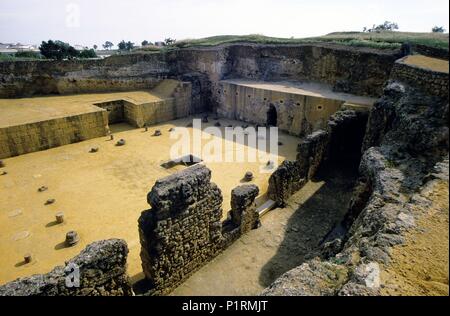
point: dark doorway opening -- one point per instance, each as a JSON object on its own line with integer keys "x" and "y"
{"x": 272, "y": 116}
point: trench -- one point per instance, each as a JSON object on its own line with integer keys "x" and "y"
{"x": 292, "y": 235}
{"x": 287, "y": 238}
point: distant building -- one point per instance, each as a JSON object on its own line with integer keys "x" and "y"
{"x": 14, "y": 48}
{"x": 4, "y": 46}
{"x": 23, "y": 47}
{"x": 80, "y": 47}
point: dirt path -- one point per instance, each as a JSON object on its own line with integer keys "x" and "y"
{"x": 287, "y": 238}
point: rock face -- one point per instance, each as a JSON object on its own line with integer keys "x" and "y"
{"x": 354, "y": 70}
{"x": 314, "y": 278}
{"x": 405, "y": 152}
{"x": 102, "y": 271}
{"x": 183, "y": 229}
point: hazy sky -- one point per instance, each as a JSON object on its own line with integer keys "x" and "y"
{"x": 91, "y": 22}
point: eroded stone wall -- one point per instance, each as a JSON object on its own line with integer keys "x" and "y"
{"x": 359, "y": 71}
{"x": 341, "y": 139}
{"x": 403, "y": 169}
{"x": 428, "y": 81}
{"x": 102, "y": 271}
{"x": 116, "y": 73}
{"x": 183, "y": 229}
{"x": 31, "y": 137}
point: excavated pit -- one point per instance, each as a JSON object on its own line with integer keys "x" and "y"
{"x": 288, "y": 237}
{"x": 338, "y": 199}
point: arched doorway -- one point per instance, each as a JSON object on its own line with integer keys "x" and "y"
{"x": 272, "y": 116}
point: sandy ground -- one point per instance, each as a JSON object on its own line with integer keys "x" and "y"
{"x": 427, "y": 62}
{"x": 312, "y": 89}
{"x": 101, "y": 194}
{"x": 420, "y": 266}
{"x": 27, "y": 110}
{"x": 288, "y": 237}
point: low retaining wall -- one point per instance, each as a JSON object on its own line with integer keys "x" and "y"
{"x": 102, "y": 271}
{"x": 175, "y": 104}
{"x": 431, "y": 51}
{"x": 428, "y": 81}
{"x": 183, "y": 229}
{"x": 175, "y": 107}
{"x": 36, "y": 136}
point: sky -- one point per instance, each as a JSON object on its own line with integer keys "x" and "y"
{"x": 89, "y": 22}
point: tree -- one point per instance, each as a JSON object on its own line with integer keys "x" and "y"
{"x": 386, "y": 26}
{"x": 57, "y": 50}
{"x": 145, "y": 43}
{"x": 438, "y": 29}
{"x": 129, "y": 45}
{"x": 95, "y": 47}
{"x": 122, "y": 45}
{"x": 87, "y": 53}
{"x": 108, "y": 45}
{"x": 169, "y": 41}
{"x": 125, "y": 45}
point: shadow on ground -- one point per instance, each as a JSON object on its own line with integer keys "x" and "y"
{"x": 312, "y": 221}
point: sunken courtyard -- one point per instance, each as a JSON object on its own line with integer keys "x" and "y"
{"x": 349, "y": 196}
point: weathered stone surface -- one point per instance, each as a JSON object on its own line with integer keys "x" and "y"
{"x": 243, "y": 207}
{"x": 405, "y": 152}
{"x": 314, "y": 278}
{"x": 183, "y": 230}
{"x": 341, "y": 141}
{"x": 102, "y": 267}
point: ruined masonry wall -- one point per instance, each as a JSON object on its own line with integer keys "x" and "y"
{"x": 102, "y": 267}
{"x": 27, "y": 138}
{"x": 341, "y": 138}
{"x": 428, "y": 81}
{"x": 183, "y": 229}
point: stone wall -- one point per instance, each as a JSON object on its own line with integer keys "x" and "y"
{"x": 403, "y": 168}
{"x": 431, "y": 51}
{"x": 342, "y": 139}
{"x": 297, "y": 114}
{"x": 31, "y": 137}
{"x": 430, "y": 82}
{"x": 102, "y": 271}
{"x": 359, "y": 71}
{"x": 176, "y": 105}
{"x": 116, "y": 73}
{"x": 183, "y": 229}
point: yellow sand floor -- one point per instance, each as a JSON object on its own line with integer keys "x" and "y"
{"x": 101, "y": 194}
{"x": 427, "y": 62}
{"x": 28, "y": 110}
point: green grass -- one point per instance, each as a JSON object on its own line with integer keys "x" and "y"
{"x": 382, "y": 40}
{"x": 10, "y": 57}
